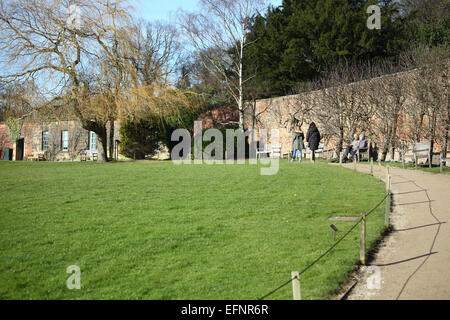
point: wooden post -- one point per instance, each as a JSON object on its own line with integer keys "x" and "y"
{"x": 362, "y": 242}
{"x": 403, "y": 160}
{"x": 296, "y": 285}
{"x": 388, "y": 201}
{"x": 340, "y": 158}
{"x": 388, "y": 178}
{"x": 371, "y": 167}
{"x": 354, "y": 164}
{"x": 379, "y": 168}
{"x": 441, "y": 163}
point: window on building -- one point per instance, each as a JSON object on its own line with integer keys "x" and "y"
{"x": 65, "y": 140}
{"x": 44, "y": 140}
{"x": 92, "y": 141}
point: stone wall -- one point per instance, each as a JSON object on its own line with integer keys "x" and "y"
{"x": 278, "y": 112}
{"x": 220, "y": 117}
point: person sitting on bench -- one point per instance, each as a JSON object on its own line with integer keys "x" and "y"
{"x": 362, "y": 144}
{"x": 351, "y": 148}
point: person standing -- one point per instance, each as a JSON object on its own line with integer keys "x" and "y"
{"x": 297, "y": 144}
{"x": 313, "y": 139}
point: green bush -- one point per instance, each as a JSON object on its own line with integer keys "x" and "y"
{"x": 224, "y": 136}
{"x": 139, "y": 140}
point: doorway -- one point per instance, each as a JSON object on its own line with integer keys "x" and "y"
{"x": 20, "y": 144}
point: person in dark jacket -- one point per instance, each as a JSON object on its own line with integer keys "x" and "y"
{"x": 313, "y": 139}
{"x": 373, "y": 151}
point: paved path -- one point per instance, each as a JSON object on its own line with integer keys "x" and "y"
{"x": 414, "y": 260}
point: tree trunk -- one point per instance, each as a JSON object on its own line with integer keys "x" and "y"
{"x": 431, "y": 153}
{"x": 253, "y": 118}
{"x": 102, "y": 139}
{"x": 386, "y": 146}
{"x": 384, "y": 153}
{"x": 444, "y": 147}
{"x": 241, "y": 115}
{"x": 102, "y": 145}
{"x": 111, "y": 139}
{"x": 393, "y": 137}
{"x": 447, "y": 129}
{"x": 432, "y": 138}
{"x": 241, "y": 93}
{"x": 419, "y": 128}
{"x": 340, "y": 142}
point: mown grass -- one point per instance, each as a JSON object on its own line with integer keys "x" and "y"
{"x": 408, "y": 165}
{"x": 426, "y": 168}
{"x": 154, "y": 230}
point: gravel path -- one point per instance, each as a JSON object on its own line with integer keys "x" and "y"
{"x": 413, "y": 262}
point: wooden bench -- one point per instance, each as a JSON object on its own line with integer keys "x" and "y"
{"x": 364, "y": 152}
{"x": 37, "y": 156}
{"x": 88, "y": 155}
{"x": 320, "y": 151}
{"x": 422, "y": 150}
{"x": 441, "y": 162}
{"x": 274, "y": 150}
{"x": 264, "y": 150}
{"x": 32, "y": 157}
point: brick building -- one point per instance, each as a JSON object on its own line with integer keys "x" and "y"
{"x": 63, "y": 140}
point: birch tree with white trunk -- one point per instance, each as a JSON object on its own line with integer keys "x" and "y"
{"x": 219, "y": 35}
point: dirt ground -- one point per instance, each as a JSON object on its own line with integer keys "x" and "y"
{"x": 413, "y": 261}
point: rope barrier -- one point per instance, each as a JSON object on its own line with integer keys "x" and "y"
{"x": 326, "y": 252}
{"x": 379, "y": 204}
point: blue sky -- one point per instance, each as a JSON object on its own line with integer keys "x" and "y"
{"x": 153, "y": 10}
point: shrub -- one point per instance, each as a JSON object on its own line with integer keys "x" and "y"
{"x": 139, "y": 139}
{"x": 223, "y": 131}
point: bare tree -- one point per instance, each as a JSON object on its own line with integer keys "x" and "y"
{"x": 154, "y": 52}
{"x": 219, "y": 34}
{"x": 98, "y": 67}
{"x": 44, "y": 41}
{"x": 428, "y": 105}
{"x": 15, "y": 99}
{"x": 386, "y": 98}
{"x": 338, "y": 105}
{"x": 444, "y": 113}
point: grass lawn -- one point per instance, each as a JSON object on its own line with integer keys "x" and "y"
{"x": 154, "y": 230}
{"x": 426, "y": 168}
{"x": 408, "y": 165}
